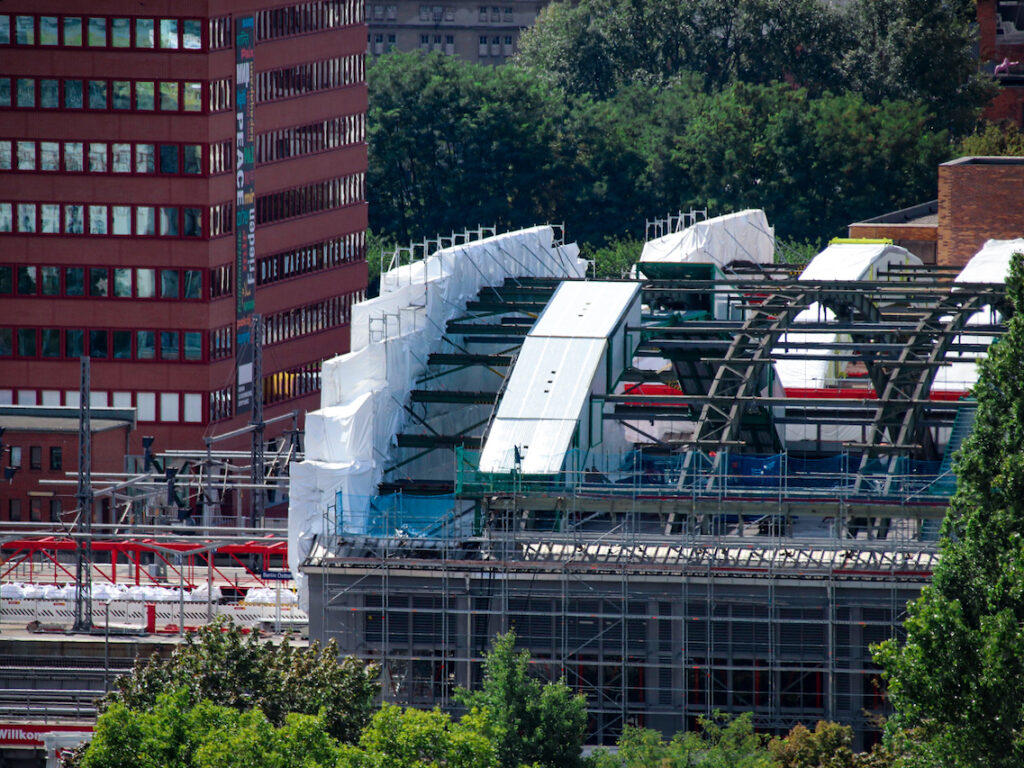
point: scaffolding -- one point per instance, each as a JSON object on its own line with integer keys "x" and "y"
{"x": 707, "y": 570}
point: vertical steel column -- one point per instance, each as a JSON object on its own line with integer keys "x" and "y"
{"x": 83, "y": 495}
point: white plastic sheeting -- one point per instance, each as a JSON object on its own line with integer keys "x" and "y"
{"x": 741, "y": 236}
{"x": 559, "y": 367}
{"x": 989, "y": 265}
{"x": 838, "y": 262}
{"x": 350, "y": 438}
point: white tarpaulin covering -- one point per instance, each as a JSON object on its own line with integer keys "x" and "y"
{"x": 558, "y": 368}
{"x": 989, "y": 265}
{"x": 742, "y": 236}
{"x": 838, "y": 262}
{"x": 350, "y": 438}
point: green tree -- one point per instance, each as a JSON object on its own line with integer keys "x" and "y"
{"x": 222, "y": 665}
{"x": 958, "y": 682}
{"x": 596, "y": 47}
{"x": 921, "y": 51}
{"x": 827, "y": 746}
{"x": 455, "y": 144}
{"x": 530, "y": 723}
{"x": 614, "y": 259}
{"x": 993, "y": 140}
{"x": 174, "y": 733}
{"x": 411, "y": 738}
{"x": 721, "y": 742}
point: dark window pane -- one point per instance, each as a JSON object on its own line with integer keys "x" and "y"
{"x": 5, "y": 91}
{"x": 98, "y": 344}
{"x": 193, "y": 345}
{"x": 74, "y": 281}
{"x": 51, "y": 343}
{"x": 145, "y": 343}
{"x": 56, "y": 457}
{"x": 169, "y": 345}
{"x": 26, "y": 342}
{"x": 122, "y": 345}
{"x": 35, "y": 457}
{"x": 6, "y": 279}
{"x": 143, "y": 33}
{"x": 193, "y": 34}
{"x": 5, "y": 29}
{"x": 72, "y": 31}
{"x": 97, "y": 94}
{"x": 26, "y": 92}
{"x": 72, "y": 94}
{"x": 97, "y": 32}
{"x": 73, "y": 343}
{"x": 24, "y": 30}
{"x": 120, "y": 33}
{"x": 168, "y": 283}
{"x": 121, "y": 94}
{"x": 193, "y": 158}
{"x": 48, "y": 30}
{"x": 144, "y": 94}
{"x": 193, "y": 222}
{"x": 169, "y": 96}
{"x": 27, "y": 281}
{"x": 51, "y": 281}
{"x": 98, "y": 281}
{"x": 169, "y": 221}
{"x": 168, "y": 158}
{"x": 49, "y": 97}
{"x": 123, "y": 282}
{"x": 193, "y": 283}
{"x": 6, "y": 342}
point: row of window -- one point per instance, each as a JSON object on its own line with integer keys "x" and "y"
{"x": 101, "y": 282}
{"x": 102, "y": 95}
{"x": 102, "y": 157}
{"x": 101, "y": 344}
{"x": 495, "y": 14}
{"x": 310, "y": 77}
{"x": 311, "y": 198}
{"x": 496, "y": 48}
{"x": 36, "y": 508}
{"x": 309, "y": 139}
{"x": 149, "y": 406}
{"x": 79, "y": 219}
{"x": 101, "y": 32}
{"x": 306, "y": 17}
{"x": 311, "y": 258}
{"x": 35, "y": 457}
{"x": 311, "y": 318}
{"x": 176, "y": 407}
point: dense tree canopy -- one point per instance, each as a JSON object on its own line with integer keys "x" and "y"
{"x": 532, "y": 723}
{"x": 958, "y": 682}
{"x": 912, "y": 50}
{"x": 221, "y": 665}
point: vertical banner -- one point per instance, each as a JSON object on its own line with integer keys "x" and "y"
{"x": 245, "y": 212}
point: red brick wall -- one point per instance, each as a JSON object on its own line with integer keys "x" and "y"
{"x": 1007, "y": 105}
{"x": 978, "y": 201}
{"x": 108, "y": 449}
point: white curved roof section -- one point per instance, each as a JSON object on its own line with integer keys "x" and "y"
{"x": 578, "y": 347}
{"x": 741, "y": 236}
{"x": 838, "y": 262}
{"x": 989, "y": 265}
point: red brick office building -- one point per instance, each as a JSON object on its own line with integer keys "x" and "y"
{"x": 136, "y": 145}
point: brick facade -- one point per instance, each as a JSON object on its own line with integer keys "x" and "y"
{"x": 980, "y": 198}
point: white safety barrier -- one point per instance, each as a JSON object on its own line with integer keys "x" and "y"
{"x": 132, "y": 613}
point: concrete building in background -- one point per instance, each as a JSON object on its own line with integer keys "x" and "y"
{"x": 488, "y": 34}
{"x": 168, "y": 170}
